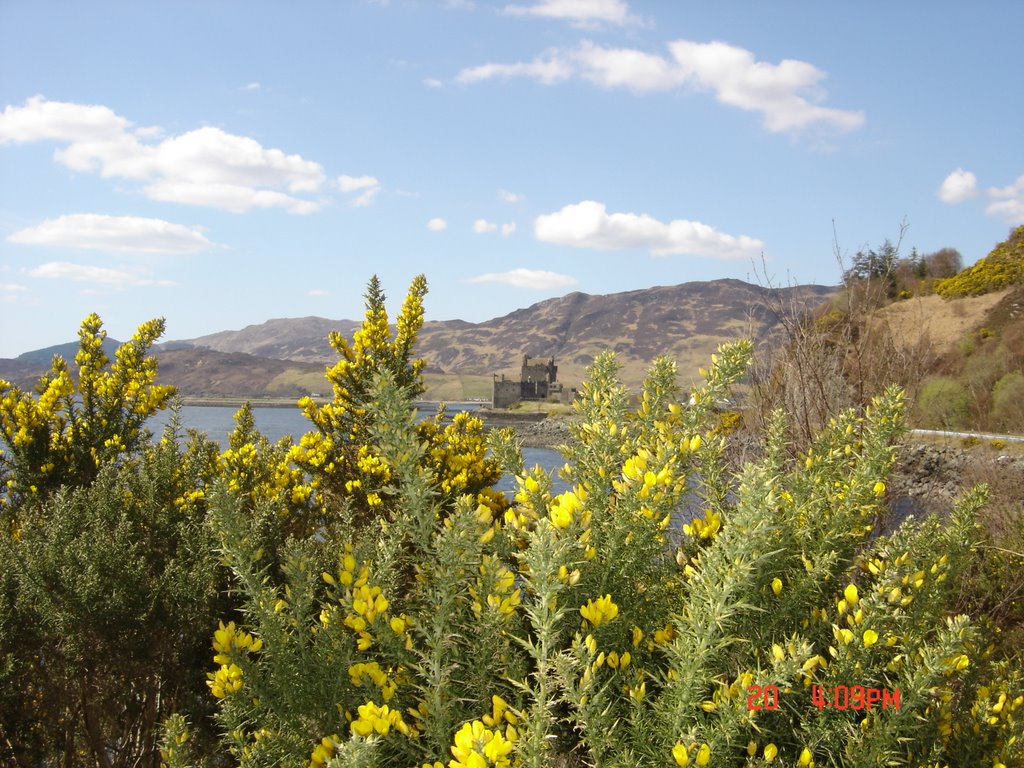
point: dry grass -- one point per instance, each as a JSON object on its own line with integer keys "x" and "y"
{"x": 943, "y": 321}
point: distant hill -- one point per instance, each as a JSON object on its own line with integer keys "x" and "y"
{"x": 303, "y": 339}
{"x": 686, "y": 322}
{"x": 67, "y": 351}
{"x": 286, "y": 357}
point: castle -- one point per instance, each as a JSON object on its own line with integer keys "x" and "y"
{"x": 538, "y": 380}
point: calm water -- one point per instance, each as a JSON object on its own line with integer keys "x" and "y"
{"x": 218, "y": 421}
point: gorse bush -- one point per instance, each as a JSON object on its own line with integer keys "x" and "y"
{"x": 390, "y": 608}
{"x": 657, "y": 612}
{"x": 1002, "y": 267}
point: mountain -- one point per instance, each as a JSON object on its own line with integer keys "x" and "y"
{"x": 303, "y": 339}
{"x": 67, "y": 351}
{"x": 686, "y": 322}
{"x": 286, "y": 357}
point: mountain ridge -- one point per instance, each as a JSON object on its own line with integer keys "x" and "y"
{"x": 687, "y": 321}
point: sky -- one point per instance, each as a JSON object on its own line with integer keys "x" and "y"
{"x": 223, "y": 163}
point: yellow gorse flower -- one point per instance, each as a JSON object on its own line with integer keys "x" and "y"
{"x": 476, "y": 746}
{"x": 600, "y": 611}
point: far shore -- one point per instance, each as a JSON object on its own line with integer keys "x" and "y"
{"x": 292, "y": 402}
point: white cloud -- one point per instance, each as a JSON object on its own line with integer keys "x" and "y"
{"x": 627, "y": 68}
{"x": 433, "y": 82}
{"x": 206, "y": 166}
{"x": 437, "y": 225}
{"x": 535, "y": 279}
{"x": 548, "y": 69}
{"x": 786, "y": 94}
{"x": 227, "y": 197}
{"x": 589, "y": 225}
{"x": 508, "y": 229}
{"x": 42, "y": 120}
{"x": 253, "y": 86}
{"x": 353, "y": 183}
{"x": 113, "y": 233}
{"x": 960, "y": 185}
{"x": 369, "y": 185}
{"x": 509, "y": 197}
{"x": 584, "y": 13}
{"x": 771, "y": 89}
{"x": 483, "y": 226}
{"x": 317, "y": 292}
{"x": 12, "y": 293}
{"x": 1008, "y": 202}
{"x": 82, "y": 273}
{"x": 1010, "y": 210}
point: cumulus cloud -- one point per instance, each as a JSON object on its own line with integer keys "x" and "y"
{"x": 483, "y": 226}
{"x": 535, "y": 279}
{"x": 113, "y": 233}
{"x": 509, "y": 197}
{"x": 1008, "y": 202}
{"x": 787, "y": 95}
{"x": 589, "y": 225}
{"x": 253, "y": 86}
{"x": 548, "y": 68}
{"x": 437, "y": 225}
{"x": 353, "y": 183}
{"x": 960, "y": 185}
{"x": 583, "y": 13}
{"x": 1005, "y": 203}
{"x": 206, "y": 166}
{"x": 432, "y": 82}
{"x": 508, "y": 229}
{"x": 367, "y": 186}
{"x": 13, "y": 293}
{"x": 83, "y": 273}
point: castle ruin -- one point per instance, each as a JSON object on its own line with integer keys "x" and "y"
{"x": 538, "y": 380}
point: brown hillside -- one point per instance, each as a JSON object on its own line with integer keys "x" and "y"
{"x": 944, "y": 322}
{"x": 303, "y": 339}
{"x": 686, "y": 322}
{"x": 201, "y": 372}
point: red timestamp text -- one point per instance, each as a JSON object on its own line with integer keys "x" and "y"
{"x": 854, "y": 697}
{"x": 840, "y": 697}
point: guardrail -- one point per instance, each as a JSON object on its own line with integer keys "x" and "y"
{"x": 978, "y": 435}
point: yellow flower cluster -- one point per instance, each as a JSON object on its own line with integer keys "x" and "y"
{"x": 456, "y": 456}
{"x": 324, "y": 751}
{"x": 706, "y": 527}
{"x": 995, "y": 710}
{"x": 498, "y": 583}
{"x": 681, "y": 754}
{"x": 600, "y": 611}
{"x": 476, "y": 746}
{"x": 529, "y": 497}
{"x": 228, "y": 637}
{"x": 655, "y": 479}
{"x": 61, "y": 434}
{"x": 374, "y": 719}
{"x": 502, "y": 714}
{"x": 227, "y": 641}
{"x": 564, "y": 507}
{"x": 363, "y": 671}
{"x": 225, "y": 680}
{"x": 365, "y": 603}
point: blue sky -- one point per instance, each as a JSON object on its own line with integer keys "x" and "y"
{"x": 220, "y": 164}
